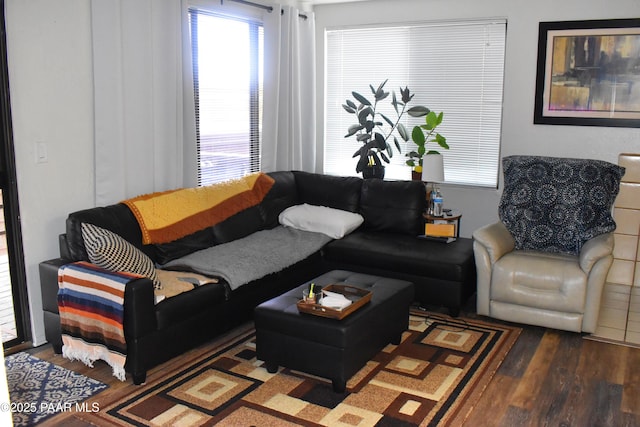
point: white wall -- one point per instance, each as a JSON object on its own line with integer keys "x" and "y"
{"x": 50, "y": 71}
{"x": 51, "y": 84}
{"x": 519, "y": 134}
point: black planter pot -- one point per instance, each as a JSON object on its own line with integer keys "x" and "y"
{"x": 373, "y": 172}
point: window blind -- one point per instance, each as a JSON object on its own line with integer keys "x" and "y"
{"x": 453, "y": 67}
{"x": 227, "y": 57}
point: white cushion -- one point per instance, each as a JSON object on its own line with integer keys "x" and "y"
{"x": 335, "y": 223}
{"x": 113, "y": 253}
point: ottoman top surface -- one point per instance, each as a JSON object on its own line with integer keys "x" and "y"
{"x": 281, "y": 313}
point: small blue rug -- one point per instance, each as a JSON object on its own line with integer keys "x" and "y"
{"x": 39, "y": 389}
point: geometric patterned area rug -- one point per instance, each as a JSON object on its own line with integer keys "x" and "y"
{"x": 435, "y": 376}
{"x": 39, "y": 389}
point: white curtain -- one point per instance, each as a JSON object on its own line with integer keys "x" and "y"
{"x": 289, "y": 119}
{"x": 140, "y": 122}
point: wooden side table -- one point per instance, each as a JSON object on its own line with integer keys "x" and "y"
{"x": 452, "y": 216}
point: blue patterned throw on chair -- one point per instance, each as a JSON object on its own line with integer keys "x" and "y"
{"x": 554, "y": 204}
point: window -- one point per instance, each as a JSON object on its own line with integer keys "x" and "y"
{"x": 453, "y": 67}
{"x": 227, "y": 69}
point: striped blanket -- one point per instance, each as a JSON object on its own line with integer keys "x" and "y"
{"x": 170, "y": 215}
{"x": 91, "y": 306}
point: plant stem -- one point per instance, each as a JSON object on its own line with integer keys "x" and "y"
{"x": 400, "y": 114}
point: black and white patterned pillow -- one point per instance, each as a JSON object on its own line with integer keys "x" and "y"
{"x": 112, "y": 252}
{"x": 555, "y": 204}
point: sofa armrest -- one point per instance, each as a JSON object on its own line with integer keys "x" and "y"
{"x": 593, "y": 250}
{"x": 49, "y": 283}
{"x": 64, "y": 247}
{"x": 139, "y": 308}
{"x": 496, "y": 239}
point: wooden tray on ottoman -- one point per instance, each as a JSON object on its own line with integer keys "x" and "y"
{"x": 359, "y": 297}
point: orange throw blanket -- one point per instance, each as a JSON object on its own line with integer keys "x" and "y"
{"x": 170, "y": 215}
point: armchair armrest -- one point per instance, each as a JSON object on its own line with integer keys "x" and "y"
{"x": 490, "y": 243}
{"x": 593, "y": 250}
{"x": 595, "y": 260}
{"x": 496, "y": 239}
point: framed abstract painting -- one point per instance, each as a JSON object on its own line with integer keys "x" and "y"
{"x": 588, "y": 73}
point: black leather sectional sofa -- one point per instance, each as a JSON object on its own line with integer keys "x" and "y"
{"x": 386, "y": 244}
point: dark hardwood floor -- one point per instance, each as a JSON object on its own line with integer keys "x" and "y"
{"x": 549, "y": 378}
{"x": 554, "y": 378}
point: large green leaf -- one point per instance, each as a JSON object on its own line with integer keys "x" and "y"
{"x": 386, "y": 119}
{"x": 380, "y": 141}
{"x": 364, "y": 114}
{"x": 389, "y": 150}
{"x": 348, "y": 109}
{"x": 361, "y": 99}
{"x": 403, "y": 132}
{"x": 363, "y": 137}
{"x": 431, "y": 120}
{"x": 418, "y": 111}
{"x": 442, "y": 141}
{"x": 369, "y": 125}
{"x": 381, "y": 95}
{"x": 362, "y": 163}
{"x": 394, "y": 102}
{"x": 370, "y": 145}
{"x": 397, "y": 143}
{"x": 418, "y": 136}
{"x": 405, "y": 94}
{"x": 353, "y": 129}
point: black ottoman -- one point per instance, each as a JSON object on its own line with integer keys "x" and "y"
{"x": 330, "y": 348}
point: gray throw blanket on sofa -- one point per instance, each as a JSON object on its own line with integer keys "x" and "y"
{"x": 252, "y": 257}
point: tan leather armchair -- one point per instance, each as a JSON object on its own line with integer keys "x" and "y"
{"x": 553, "y": 290}
{"x": 545, "y": 263}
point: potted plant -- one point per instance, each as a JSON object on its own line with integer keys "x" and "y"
{"x": 370, "y": 129}
{"x": 421, "y": 136}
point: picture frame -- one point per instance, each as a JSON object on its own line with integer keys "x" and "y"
{"x": 588, "y": 73}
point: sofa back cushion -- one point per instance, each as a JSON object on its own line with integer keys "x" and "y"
{"x": 555, "y": 204}
{"x": 282, "y": 195}
{"x": 235, "y": 227}
{"x": 115, "y": 218}
{"x": 339, "y": 192}
{"x": 393, "y": 206}
{"x": 265, "y": 215}
{"x": 120, "y": 220}
{"x": 238, "y": 226}
{"x": 201, "y": 239}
